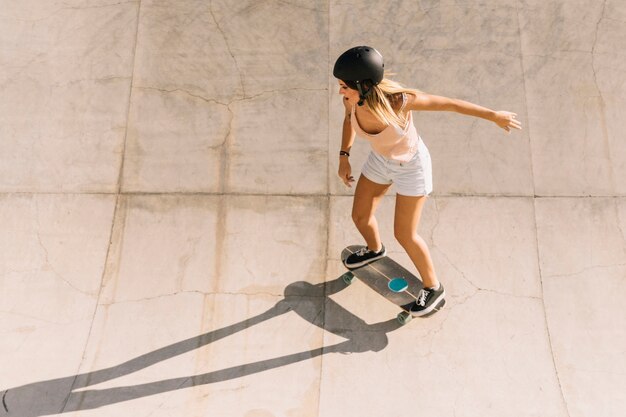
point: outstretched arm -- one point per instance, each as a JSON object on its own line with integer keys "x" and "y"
{"x": 427, "y": 102}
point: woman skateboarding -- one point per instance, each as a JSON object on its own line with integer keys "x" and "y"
{"x": 378, "y": 110}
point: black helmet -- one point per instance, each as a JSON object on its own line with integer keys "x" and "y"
{"x": 360, "y": 68}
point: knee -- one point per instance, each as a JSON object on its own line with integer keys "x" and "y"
{"x": 404, "y": 236}
{"x": 360, "y": 219}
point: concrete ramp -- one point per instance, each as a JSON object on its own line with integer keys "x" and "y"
{"x": 172, "y": 222}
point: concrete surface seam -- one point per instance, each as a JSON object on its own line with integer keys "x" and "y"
{"x": 545, "y": 315}
{"x": 202, "y": 293}
{"x": 102, "y": 6}
{"x": 220, "y": 237}
{"x": 605, "y": 133}
{"x": 328, "y": 140}
{"x": 527, "y": 127}
{"x": 619, "y": 224}
{"x": 225, "y": 157}
{"x": 72, "y": 8}
{"x": 328, "y": 215}
{"x": 97, "y": 305}
{"x": 303, "y": 195}
{"x": 120, "y": 178}
{"x": 114, "y": 217}
{"x": 323, "y": 312}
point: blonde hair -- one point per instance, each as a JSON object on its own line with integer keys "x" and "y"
{"x": 378, "y": 101}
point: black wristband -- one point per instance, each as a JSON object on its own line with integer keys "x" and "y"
{"x": 344, "y": 153}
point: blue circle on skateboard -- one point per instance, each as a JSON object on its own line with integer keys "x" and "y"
{"x": 398, "y": 284}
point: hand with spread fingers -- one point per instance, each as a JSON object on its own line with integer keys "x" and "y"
{"x": 507, "y": 121}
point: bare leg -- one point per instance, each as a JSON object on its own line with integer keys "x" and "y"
{"x": 407, "y": 218}
{"x": 367, "y": 196}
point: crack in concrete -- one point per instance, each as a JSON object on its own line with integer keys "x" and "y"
{"x": 478, "y": 290}
{"x": 224, "y": 145}
{"x": 464, "y": 299}
{"x": 545, "y": 314}
{"x": 586, "y": 270}
{"x": 47, "y": 256}
{"x": 476, "y": 287}
{"x": 97, "y": 80}
{"x": 595, "y": 38}
{"x": 447, "y": 312}
{"x": 447, "y": 258}
{"x": 119, "y": 202}
{"x": 228, "y": 47}
{"x": 452, "y": 306}
{"x": 183, "y": 261}
{"x": 234, "y": 100}
{"x": 183, "y": 91}
{"x": 506, "y": 294}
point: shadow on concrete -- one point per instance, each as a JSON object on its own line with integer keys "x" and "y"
{"x": 309, "y": 301}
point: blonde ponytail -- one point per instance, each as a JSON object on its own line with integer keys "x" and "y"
{"x": 378, "y": 101}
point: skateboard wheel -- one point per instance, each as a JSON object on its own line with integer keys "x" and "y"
{"x": 404, "y": 317}
{"x": 348, "y": 278}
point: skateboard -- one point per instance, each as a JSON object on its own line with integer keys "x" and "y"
{"x": 391, "y": 280}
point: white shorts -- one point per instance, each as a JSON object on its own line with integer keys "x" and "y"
{"x": 413, "y": 178}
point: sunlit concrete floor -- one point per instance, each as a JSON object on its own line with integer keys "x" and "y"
{"x": 172, "y": 221}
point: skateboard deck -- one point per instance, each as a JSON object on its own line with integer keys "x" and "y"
{"x": 378, "y": 274}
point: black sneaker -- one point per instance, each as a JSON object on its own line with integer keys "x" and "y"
{"x": 427, "y": 300}
{"x": 363, "y": 257}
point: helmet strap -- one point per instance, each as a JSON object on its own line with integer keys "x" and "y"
{"x": 362, "y": 94}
